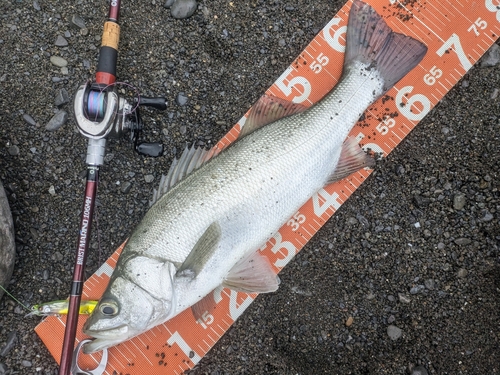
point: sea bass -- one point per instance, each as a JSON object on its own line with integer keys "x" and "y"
{"x": 220, "y": 208}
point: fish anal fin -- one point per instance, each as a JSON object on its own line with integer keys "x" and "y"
{"x": 352, "y": 159}
{"x": 202, "y": 251}
{"x": 267, "y": 110}
{"x": 253, "y": 274}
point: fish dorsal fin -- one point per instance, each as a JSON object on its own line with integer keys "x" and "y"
{"x": 269, "y": 109}
{"x": 352, "y": 159}
{"x": 252, "y": 274}
{"x": 202, "y": 251}
{"x": 191, "y": 159}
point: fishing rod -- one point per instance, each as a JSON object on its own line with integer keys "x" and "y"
{"x": 101, "y": 113}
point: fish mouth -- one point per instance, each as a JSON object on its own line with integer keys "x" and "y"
{"x": 106, "y": 338}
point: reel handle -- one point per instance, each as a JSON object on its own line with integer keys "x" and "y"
{"x": 156, "y": 103}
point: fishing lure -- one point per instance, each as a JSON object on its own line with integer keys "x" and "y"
{"x": 60, "y": 307}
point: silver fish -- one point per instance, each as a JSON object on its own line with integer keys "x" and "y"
{"x": 204, "y": 231}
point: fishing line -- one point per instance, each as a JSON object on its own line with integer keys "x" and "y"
{"x": 96, "y": 104}
{"x": 14, "y": 298}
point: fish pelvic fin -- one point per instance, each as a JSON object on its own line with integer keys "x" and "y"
{"x": 267, "y": 110}
{"x": 352, "y": 159}
{"x": 190, "y": 160}
{"x": 253, "y": 274}
{"x": 206, "y": 305}
{"x": 371, "y": 41}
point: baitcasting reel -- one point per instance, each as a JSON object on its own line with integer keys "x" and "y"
{"x": 101, "y": 113}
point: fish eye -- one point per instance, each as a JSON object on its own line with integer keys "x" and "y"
{"x": 108, "y": 308}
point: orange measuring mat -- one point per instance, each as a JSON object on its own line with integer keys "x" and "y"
{"x": 456, "y": 33}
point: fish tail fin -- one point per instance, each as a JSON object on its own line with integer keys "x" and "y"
{"x": 371, "y": 41}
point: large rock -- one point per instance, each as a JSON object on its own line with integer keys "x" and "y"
{"x": 7, "y": 244}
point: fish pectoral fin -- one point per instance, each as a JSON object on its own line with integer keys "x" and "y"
{"x": 202, "y": 251}
{"x": 190, "y": 160}
{"x": 352, "y": 159}
{"x": 253, "y": 274}
{"x": 267, "y": 110}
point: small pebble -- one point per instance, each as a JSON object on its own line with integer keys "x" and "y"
{"x": 78, "y": 22}
{"x": 349, "y": 321}
{"x": 126, "y": 187}
{"x": 417, "y": 289}
{"x": 14, "y": 150}
{"x": 62, "y": 97}
{"x": 462, "y": 241}
{"x": 3, "y": 369}
{"x": 462, "y": 272}
{"x": 26, "y": 363}
{"x": 394, "y": 332}
{"x": 459, "y": 201}
{"x": 36, "y": 5}
{"x": 486, "y": 215}
{"x": 403, "y": 298}
{"x": 492, "y": 57}
{"x": 61, "y": 41}
{"x": 52, "y": 190}
{"x": 419, "y": 370}
{"x": 181, "y": 9}
{"x": 363, "y": 220}
{"x": 430, "y": 284}
{"x": 57, "y": 256}
{"x": 29, "y": 120}
{"x": 58, "y": 120}
{"x": 149, "y": 178}
{"x": 494, "y": 94}
{"x": 10, "y": 343}
{"x": 58, "y": 61}
{"x": 181, "y": 99}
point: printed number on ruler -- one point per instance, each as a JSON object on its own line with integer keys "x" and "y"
{"x": 176, "y": 338}
{"x": 205, "y": 320}
{"x": 455, "y": 45}
{"x": 479, "y": 24}
{"x": 289, "y": 249}
{"x": 334, "y": 39}
{"x": 287, "y": 86}
{"x": 323, "y": 201}
{"x": 235, "y": 309}
{"x": 318, "y": 64}
{"x": 296, "y": 220}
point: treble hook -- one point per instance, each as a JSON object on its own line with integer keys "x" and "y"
{"x": 99, "y": 370}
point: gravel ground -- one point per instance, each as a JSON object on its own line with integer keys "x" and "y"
{"x": 373, "y": 293}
